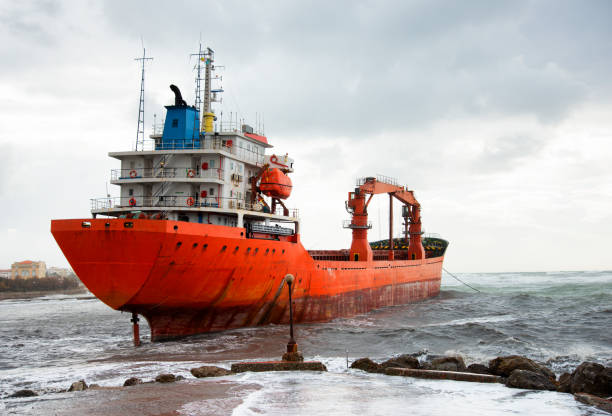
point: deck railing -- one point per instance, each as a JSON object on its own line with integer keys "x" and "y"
{"x": 174, "y": 202}
{"x": 213, "y": 143}
{"x": 165, "y": 173}
{"x": 379, "y": 178}
{"x": 349, "y": 224}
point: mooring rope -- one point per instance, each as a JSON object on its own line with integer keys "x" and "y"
{"x": 461, "y": 280}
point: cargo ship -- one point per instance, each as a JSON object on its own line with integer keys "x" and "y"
{"x": 200, "y": 238}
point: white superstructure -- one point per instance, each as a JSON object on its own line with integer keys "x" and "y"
{"x": 195, "y": 174}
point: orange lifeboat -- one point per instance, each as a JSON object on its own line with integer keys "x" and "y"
{"x": 275, "y": 184}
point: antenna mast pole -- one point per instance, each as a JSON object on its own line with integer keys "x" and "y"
{"x": 140, "y": 129}
{"x": 198, "y": 89}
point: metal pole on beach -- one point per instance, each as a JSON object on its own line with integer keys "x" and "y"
{"x": 135, "y": 320}
{"x": 291, "y": 345}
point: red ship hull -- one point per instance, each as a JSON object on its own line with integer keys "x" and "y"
{"x": 189, "y": 278}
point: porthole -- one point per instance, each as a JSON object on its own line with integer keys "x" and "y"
{"x": 195, "y": 245}
{"x": 223, "y": 248}
{"x": 179, "y": 244}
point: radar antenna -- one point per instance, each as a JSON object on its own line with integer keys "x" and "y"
{"x": 140, "y": 129}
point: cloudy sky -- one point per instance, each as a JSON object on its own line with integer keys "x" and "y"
{"x": 498, "y": 114}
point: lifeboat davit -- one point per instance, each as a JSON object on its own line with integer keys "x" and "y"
{"x": 275, "y": 183}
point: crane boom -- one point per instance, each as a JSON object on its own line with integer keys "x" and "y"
{"x": 360, "y": 247}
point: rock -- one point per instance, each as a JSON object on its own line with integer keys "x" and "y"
{"x": 603, "y": 404}
{"x": 24, "y": 393}
{"x": 93, "y": 386}
{"x": 426, "y": 364}
{"x": 564, "y": 383}
{"x": 278, "y": 366}
{"x": 504, "y": 366}
{"x": 209, "y": 371}
{"x": 403, "y": 361}
{"x": 524, "y": 379}
{"x": 293, "y": 356}
{"x": 132, "y": 381}
{"x": 179, "y": 378}
{"x": 478, "y": 369}
{"x": 442, "y": 375}
{"x": 448, "y": 364}
{"x": 592, "y": 378}
{"x": 366, "y": 364}
{"x": 78, "y": 386}
{"x": 165, "y": 378}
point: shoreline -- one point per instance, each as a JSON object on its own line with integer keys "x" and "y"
{"x": 220, "y": 394}
{"x": 40, "y": 293}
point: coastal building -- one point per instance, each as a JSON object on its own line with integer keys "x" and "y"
{"x": 5, "y": 273}
{"x": 59, "y": 271}
{"x": 28, "y": 269}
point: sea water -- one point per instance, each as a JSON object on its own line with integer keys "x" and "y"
{"x": 560, "y": 319}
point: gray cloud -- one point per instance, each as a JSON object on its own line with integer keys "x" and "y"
{"x": 31, "y": 20}
{"x": 507, "y": 153}
{"x": 411, "y": 63}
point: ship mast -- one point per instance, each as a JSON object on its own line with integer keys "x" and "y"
{"x": 210, "y": 94}
{"x": 207, "y": 81}
{"x": 140, "y": 129}
{"x": 198, "y": 90}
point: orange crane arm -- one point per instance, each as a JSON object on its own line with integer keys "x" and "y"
{"x": 373, "y": 186}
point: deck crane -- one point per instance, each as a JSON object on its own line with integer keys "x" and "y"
{"x": 358, "y": 208}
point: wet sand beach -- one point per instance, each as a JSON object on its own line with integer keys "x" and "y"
{"x": 214, "y": 397}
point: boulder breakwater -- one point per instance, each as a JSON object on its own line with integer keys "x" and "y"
{"x": 587, "y": 380}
